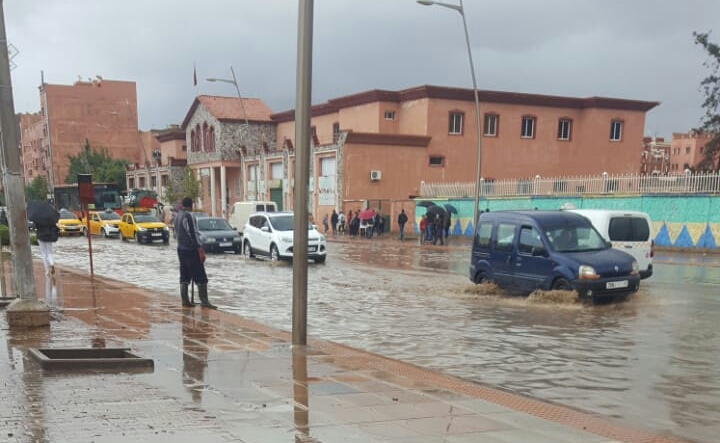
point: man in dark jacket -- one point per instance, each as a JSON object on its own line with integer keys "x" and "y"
{"x": 45, "y": 218}
{"x": 402, "y": 219}
{"x": 334, "y": 221}
{"x": 189, "y": 249}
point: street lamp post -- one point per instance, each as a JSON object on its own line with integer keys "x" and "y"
{"x": 233, "y": 81}
{"x": 478, "y": 175}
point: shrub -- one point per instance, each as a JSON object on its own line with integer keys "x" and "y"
{"x": 33, "y": 239}
{"x": 4, "y": 235}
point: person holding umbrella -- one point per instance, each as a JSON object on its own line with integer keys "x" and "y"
{"x": 45, "y": 218}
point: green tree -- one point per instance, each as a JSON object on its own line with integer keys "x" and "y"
{"x": 100, "y": 164}
{"x": 710, "y": 123}
{"x": 37, "y": 190}
{"x": 184, "y": 185}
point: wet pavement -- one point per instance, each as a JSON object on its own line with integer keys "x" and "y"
{"x": 222, "y": 378}
{"x": 650, "y": 361}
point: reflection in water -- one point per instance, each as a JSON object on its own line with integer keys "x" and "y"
{"x": 301, "y": 410}
{"x": 196, "y": 332}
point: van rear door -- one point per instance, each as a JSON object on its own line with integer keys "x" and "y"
{"x": 631, "y": 234}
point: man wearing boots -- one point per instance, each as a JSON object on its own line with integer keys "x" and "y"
{"x": 192, "y": 268}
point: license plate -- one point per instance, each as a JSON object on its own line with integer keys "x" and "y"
{"x": 224, "y": 245}
{"x": 616, "y": 284}
{"x": 158, "y": 234}
{"x": 312, "y": 248}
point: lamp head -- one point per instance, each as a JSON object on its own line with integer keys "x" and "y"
{"x": 425, "y": 2}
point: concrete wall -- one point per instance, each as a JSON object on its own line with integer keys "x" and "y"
{"x": 679, "y": 221}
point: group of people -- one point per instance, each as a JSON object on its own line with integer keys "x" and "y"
{"x": 338, "y": 223}
{"x": 434, "y": 227}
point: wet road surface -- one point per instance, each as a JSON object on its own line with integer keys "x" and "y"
{"x": 653, "y": 360}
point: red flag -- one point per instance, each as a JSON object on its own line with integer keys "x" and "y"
{"x": 194, "y": 76}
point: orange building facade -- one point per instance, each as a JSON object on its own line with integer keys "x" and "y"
{"x": 103, "y": 112}
{"x": 375, "y": 148}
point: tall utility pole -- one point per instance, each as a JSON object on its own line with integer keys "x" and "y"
{"x": 302, "y": 171}
{"x": 26, "y": 310}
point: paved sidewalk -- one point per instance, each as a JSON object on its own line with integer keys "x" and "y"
{"x": 221, "y": 378}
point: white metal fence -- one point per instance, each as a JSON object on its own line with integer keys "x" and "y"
{"x": 602, "y": 184}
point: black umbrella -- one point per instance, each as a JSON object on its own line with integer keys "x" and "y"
{"x": 425, "y": 203}
{"x": 42, "y": 213}
{"x": 433, "y": 211}
{"x": 450, "y": 208}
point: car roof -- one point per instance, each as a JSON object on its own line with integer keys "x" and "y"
{"x": 271, "y": 214}
{"x": 542, "y": 218}
{"x": 612, "y": 212}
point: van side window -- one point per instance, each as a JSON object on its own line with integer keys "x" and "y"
{"x": 270, "y": 208}
{"x": 259, "y": 208}
{"x": 529, "y": 240}
{"x": 482, "y": 238}
{"x": 505, "y": 237}
{"x": 628, "y": 229}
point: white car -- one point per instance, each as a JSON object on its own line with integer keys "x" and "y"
{"x": 271, "y": 234}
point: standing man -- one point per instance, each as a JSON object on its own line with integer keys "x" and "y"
{"x": 402, "y": 219}
{"x": 334, "y": 221}
{"x": 191, "y": 256}
{"x": 45, "y": 217}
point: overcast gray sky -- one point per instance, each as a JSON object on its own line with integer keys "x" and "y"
{"x": 635, "y": 49}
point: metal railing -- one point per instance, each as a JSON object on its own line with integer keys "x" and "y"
{"x": 631, "y": 184}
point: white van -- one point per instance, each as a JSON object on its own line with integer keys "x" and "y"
{"x": 241, "y": 211}
{"x": 629, "y": 231}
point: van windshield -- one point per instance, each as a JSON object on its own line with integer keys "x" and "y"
{"x": 575, "y": 239}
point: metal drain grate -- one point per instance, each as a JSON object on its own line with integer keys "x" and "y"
{"x": 90, "y": 358}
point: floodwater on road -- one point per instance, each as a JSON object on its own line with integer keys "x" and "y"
{"x": 653, "y": 360}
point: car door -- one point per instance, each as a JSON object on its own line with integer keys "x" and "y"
{"x": 264, "y": 235}
{"x": 532, "y": 266}
{"x": 95, "y": 224}
{"x": 503, "y": 254}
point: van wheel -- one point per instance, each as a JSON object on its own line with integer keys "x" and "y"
{"x": 247, "y": 250}
{"x": 562, "y": 285}
{"x": 274, "y": 253}
{"x": 482, "y": 277}
{"x": 103, "y": 233}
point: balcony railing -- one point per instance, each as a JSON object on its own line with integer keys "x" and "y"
{"x": 603, "y": 184}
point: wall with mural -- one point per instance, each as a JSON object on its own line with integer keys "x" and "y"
{"x": 680, "y": 221}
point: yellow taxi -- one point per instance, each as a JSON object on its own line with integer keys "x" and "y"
{"x": 144, "y": 227}
{"x": 69, "y": 224}
{"x": 104, "y": 223}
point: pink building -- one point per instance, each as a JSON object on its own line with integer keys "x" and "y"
{"x": 375, "y": 148}
{"x": 104, "y": 112}
{"x": 687, "y": 150}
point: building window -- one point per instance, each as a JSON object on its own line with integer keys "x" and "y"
{"x": 687, "y": 149}
{"x": 142, "y": 183}
{"x": 527, "y": 129}
{"x": 389, "y": 115}
{"x": 616, "y": 130}
{"x": 131, "y": 183}
{"x": 164, "y": 180}
{"x": 153, "y": 182}
{"x": 437, "y": 161}
{"x": 456, "y": 123}
{"x": 336, "y": 132}
{"x": 491, "y": 125}
{"x": 564, "y": 129}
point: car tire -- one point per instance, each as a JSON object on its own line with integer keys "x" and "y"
{"x": 138, "y": 240}
{"x": 84, "y": 232}
{"x": 482, "y": 277}
{"x": 237, "y": 250}
{"x": 319, "y": 259}
{"x": 122, "y": 237}
{"x": 247, "y": 250}
{"x": 103, "y": 233}
{"x": 274, "y": 253}
{"x": 166, "y": 240}
{"x": 562, "y": 284}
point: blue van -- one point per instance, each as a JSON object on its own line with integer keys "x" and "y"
{"x": 522, "y": 251}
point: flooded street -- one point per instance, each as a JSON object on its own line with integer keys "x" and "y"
{"x": 653, "y": 360}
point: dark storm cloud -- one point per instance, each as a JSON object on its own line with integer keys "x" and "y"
{"x": 639, "y": 49}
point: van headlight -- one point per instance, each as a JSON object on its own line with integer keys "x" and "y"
{"x": 635, "y": 268}
{"x": 586, "y": 272}
{"x": 286, "y": 239}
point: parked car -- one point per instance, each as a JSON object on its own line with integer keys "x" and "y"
{"x": 628, "y": 231}
{"x": 522, "y": 251}
{"x": 105, "y": 223}
{"x": 240, "y": 212}
{"x": 271, "y": 234}
{"x": 218, "y": 236}
{"x": 144, "y": 227}
{"x": 69, "y": 223}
